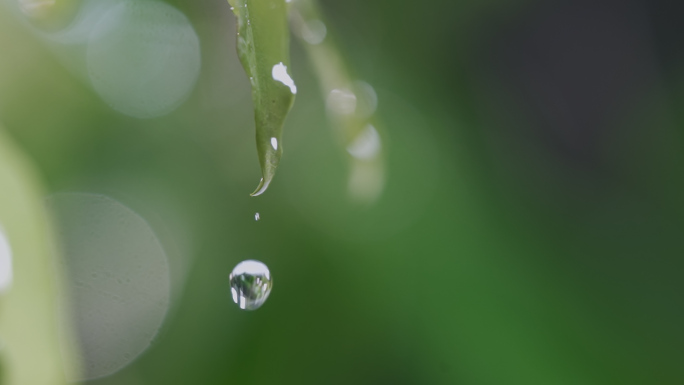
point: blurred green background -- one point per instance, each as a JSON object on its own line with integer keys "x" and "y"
{"x": 530, "y": 229}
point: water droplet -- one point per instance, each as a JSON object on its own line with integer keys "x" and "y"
{"x": 341, "y": 102}
{"x": 367, "y": 99}
{"x": 366, "y": 145}
{"x": 257, "y": 217}
{"x": 314, "y": 31}
{"x": 250, "y": 284}
{"x": 280, "y": 74}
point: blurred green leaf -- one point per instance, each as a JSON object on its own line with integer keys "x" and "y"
{"x": 31, "y": 319}
{"x": 263, "y": 43}
{"x": 350, "y": 103}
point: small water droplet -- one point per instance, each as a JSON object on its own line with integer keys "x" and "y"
{"x": 366, "y": 145}
{"x": 367, "y": 99}
{"x": 250, "y": 284}
{"x": 314, "y": 31}
{"x": 257, "y": 217}
{"x": 341, "y": 102}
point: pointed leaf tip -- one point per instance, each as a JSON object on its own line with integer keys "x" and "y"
{"x": 261, "y": 188}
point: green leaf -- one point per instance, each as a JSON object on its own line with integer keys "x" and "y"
{"x": 263, "y": 43}
{"x": 32, "y": 322}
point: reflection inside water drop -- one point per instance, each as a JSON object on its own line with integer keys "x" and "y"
{"x": 250, "y": 284}
{"x": 257, "y": 217}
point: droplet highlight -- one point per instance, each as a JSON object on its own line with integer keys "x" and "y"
{"x": 257, "y": 217}
{"x": 367, "y": 99}
{"x": 250, "y": 284}
{"x": 6, "y": 272}
{"x": 280, "y": 74}
{"x": 341, "y": 102}
{"x": 366, "y": 145}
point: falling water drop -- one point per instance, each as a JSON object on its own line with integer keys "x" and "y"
{"x": 257, "y": 217}
{"x": 250, "y": 284}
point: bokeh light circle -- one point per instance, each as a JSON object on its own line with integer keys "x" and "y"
{"x": 143, "y": 58}
{"x": 118, "y": 279}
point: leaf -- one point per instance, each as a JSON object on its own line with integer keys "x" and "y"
{"x": 31, "y": 319}
{"x": 263, "y": 44}
{"x": 350, "y": 103}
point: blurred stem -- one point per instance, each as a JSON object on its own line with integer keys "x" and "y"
{"x": 327, "y": 61}
{"x": 32, "y": 322}
{"x": 350, "y": 103}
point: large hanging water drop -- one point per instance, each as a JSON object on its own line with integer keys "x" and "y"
{"x": 250, "y": 284}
